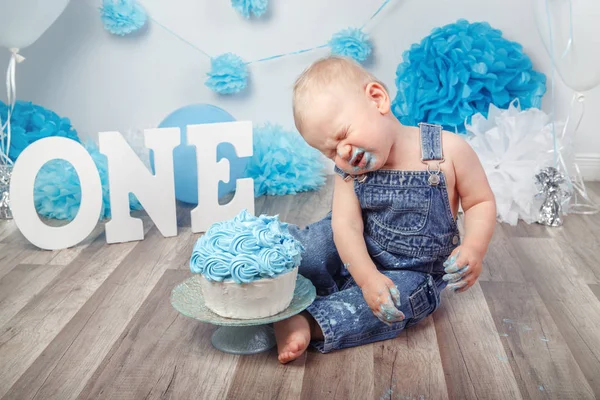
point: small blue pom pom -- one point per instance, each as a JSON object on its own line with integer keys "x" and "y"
{"x": 122, "y": 17}
{"x": 30, "y": 122}
{"x": 228, "y": 74}
{"x": 283, "y": 163}
{"x": 351, "y": 42}
{"x": 57, "y": 189}
{"x": 245, "y": 7}
{"x": 458, "y": 71}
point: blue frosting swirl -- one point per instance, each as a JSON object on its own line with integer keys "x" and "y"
{"x": 274, "y": 261}
{"x": 243, "y": 243}
{"x": 219, "y": 239}
{"x": 199, "y": 255}
{"x": 294, "y": 250}
{"x": 246, "y": 248}
{"x": 268, "y": 235}
{"x": 245, "y": 268}
{"x": 217, "y": 266}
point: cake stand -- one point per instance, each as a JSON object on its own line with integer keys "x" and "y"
{"x": 239, "y": 336}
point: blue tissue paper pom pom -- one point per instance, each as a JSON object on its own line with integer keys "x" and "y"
{"x": 30, "y": 122}
{"x": 351, "y": 42}
{"x": 283, "y": 163}
{"x": 228, "y": 74}
{"x": 245, "y": 7}
{"x": 122, "y": 17}
{"x": 57, "y": 191}
{"x": 458, "y": 71}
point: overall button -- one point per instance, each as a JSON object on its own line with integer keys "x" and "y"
{"x": 434, "y": 180}
{"x": 455, "y": 240}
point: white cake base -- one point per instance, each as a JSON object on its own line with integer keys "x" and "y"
{"x": 259, "y": 299}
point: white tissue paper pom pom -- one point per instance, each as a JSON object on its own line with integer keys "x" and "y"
{"x": 512, "y": 146}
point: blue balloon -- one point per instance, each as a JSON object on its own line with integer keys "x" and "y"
{"x": 184, "y": 156}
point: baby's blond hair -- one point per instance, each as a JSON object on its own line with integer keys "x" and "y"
{"x": 321, "y": 75}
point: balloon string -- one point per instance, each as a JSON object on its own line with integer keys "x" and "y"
{"x": 570, "y": 41}
{"x": 577, "y": 97}
{"x": 11, "y": 96}
{"x": 576, "y": 184}
{"x": 556, "y": 160}
{"x": 565, "y": 52}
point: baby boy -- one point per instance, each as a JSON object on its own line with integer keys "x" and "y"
{"x": 391, "y": 243}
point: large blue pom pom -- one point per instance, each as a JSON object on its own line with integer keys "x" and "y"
{"x": 57, "y": 191}
{"x": 458, "y": 71}
{"x": 245, "y": 7}
{"x": 228, "y": 74}
{"x": 30, "y": 122}
{"x": 283, "y": 163}
{"x": 122, "y": 17}
{"x": 351, "y": 42}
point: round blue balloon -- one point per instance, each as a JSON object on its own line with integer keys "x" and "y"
{"x": 184, "y": 156}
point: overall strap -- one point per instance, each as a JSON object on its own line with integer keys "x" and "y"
{"x": 341, "y": 173}
{"x": 347, "y": 177}
{"x": 431, "y": 150}
{"x": 431, "y": 142}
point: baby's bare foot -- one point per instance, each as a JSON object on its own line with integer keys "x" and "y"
{"x": 293, "y": 337}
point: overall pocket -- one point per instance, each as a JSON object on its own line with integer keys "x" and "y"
{"x": 424, "y": 301}
{"x": 399, "y": 210}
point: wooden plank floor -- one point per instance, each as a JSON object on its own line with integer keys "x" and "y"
{"x": 95, "y": 322}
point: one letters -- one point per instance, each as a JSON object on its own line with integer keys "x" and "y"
{"x": 127, "y": 174}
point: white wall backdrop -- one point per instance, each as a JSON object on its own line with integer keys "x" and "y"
{"x": 102, "y": 82}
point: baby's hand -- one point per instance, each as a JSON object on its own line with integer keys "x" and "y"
{"x": 462, "y": 269}
{"x": 382, "y": 296}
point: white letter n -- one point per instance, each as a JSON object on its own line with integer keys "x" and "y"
{"x": 127, "y": 174}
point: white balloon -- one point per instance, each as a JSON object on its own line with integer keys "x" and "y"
{"x": 22, "y": 22}
{"x": 577, "y": 63}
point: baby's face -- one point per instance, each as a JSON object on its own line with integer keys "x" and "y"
{"x": 351, "y": 130}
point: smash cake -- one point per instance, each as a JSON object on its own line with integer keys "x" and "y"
{"x": 247, "y": 266}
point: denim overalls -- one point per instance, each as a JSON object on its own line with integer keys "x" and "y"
{"x": 409, "y": 231}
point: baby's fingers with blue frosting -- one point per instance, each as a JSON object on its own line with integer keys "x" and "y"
{"x": 391, "y": 303}
{"x": 395, "y": 293}
{"x": 390, "y": 313}
{"x": 457, "y": 276}
{"x": 383, "y": 298}
{"x": 462, "y": 269}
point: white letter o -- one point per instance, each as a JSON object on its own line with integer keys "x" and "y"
{"x": 25, "y": 170}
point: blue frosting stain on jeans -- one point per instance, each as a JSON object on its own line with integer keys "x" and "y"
{"x": 350, "y": 308}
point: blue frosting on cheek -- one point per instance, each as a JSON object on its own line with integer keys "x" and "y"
{"x": 246, "y": 249}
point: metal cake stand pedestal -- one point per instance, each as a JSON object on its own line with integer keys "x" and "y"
{"x": 238, "y": 336}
